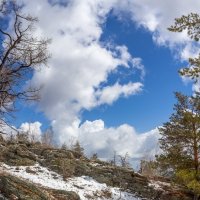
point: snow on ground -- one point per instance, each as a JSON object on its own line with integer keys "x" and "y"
{"x": 85, "y": 186}
{"x": 94, "y": 164}
{"x": 158, "y": 184}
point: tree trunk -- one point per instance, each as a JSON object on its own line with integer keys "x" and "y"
{"x": 196, "y": 159}
{"x": 196, "y": 156}
{"x": 196, "y": 197}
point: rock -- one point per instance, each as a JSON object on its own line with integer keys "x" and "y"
{"x": 30, "y": 171}
{"x": 2, "y": 197}
{"x": 23, "y": 152}
{"x": 18, "y": 155}
{"x": 57, "y": 153}
{"x": 14, "y": 188}
{"x": 13, "y": 197}
{"x": 2, "y": 141}
{"x": 64, "y": 195}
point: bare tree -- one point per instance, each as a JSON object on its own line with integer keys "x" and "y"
{"x": 113, "y": 161}
{"x": 78, "y": 148}
{"x": 124, "y": 160}
{"x": 20, "y": 54}
{"x": 115, "y": 158}
{"x": 48, "y": 137}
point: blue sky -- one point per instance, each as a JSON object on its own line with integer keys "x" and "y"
{"x": 154, "y": 104}
{"x": 93, "y": 88}
{"x": 149, "y": 108}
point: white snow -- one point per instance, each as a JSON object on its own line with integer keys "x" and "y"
{"x": 84, "y": 186}
{"x": 94, "y": 164}
{"x": 158, "y": 184}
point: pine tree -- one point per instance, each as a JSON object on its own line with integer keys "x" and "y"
{"x": 180, "y": 140}
{"x": 189, "y": 23}
{"x": 64, "y": 146}
{"x": 77, "y": 148}
{"x": 94, "y": 156}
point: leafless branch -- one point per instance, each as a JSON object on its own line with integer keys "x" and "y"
{"x": 20, "y": 55}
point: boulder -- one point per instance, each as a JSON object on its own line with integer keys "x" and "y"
{"x": 64, "y": 195}
{"x": 11, "y": 186}
{"x": 14, "y": 188}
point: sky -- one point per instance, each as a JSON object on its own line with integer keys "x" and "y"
{"x": 112, "y": 74}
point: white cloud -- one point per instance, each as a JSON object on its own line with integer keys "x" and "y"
{"x": 109, "y": 94}
{"x": 96, "y": 138}
{"x": 156, "y": 16}
{"x": 33, "y": 130}
{"x": 189, "y": 51}
{"x": 80, "y": 61}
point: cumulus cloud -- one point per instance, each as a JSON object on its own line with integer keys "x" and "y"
{"x": 96, "y": 138}
{"x": 156, "y": 16}
{"x": 33, "y": 130}
{"x": 77, "y": 77}
{"x": 109, "y": 94}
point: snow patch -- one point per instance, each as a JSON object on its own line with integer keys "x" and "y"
{"x": 158, "y": 184}
{"x": 84, "y": 186}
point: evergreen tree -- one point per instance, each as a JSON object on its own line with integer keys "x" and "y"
{"x": 77, "y": 148}
{"x": 64, "y": 146}
{"x": 180, "y": 141}
{"x": 190, "y": 23}
{"x": 94, "y": 156}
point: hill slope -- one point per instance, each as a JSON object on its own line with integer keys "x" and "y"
{"x": 34, "y": 171}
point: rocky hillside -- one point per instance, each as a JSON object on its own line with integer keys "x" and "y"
{"x": 35, "y": 171}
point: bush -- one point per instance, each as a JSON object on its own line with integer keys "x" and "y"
{"x": 190, "y": 179}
